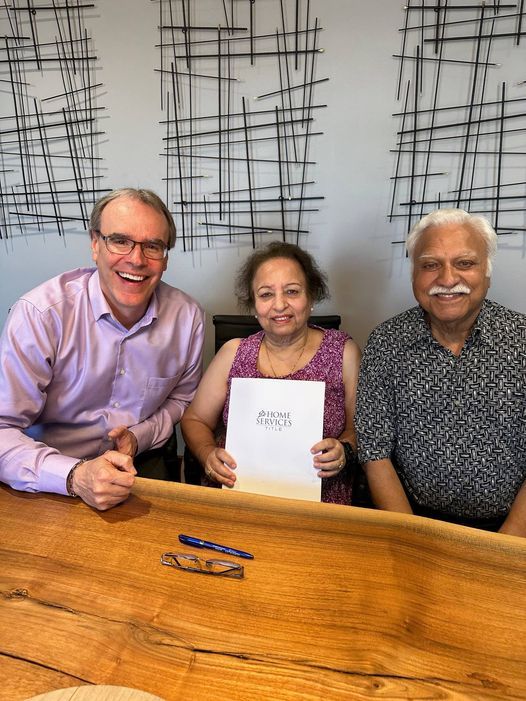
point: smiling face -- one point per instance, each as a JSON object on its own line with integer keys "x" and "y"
{"x": 281, "y": 299}
{"x": 128, "y": 281}
{"x": 449, "y": 275}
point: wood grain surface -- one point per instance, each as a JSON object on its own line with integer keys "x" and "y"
{"x": 96, "y": 693}
{"x": 339, "y": 602}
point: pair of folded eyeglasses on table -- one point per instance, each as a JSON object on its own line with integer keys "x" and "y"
{"x": 194, "y": 563}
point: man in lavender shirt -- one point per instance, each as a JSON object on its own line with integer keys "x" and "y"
{"x": 98, "y": 364}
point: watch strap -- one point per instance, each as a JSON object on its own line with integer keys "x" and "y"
{"x": 69, "y": 479}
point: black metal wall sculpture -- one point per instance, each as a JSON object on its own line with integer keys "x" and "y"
{"x": 257, "y": 153}
{"x": 467, "y": 152}
{"x": 49, "y": 163}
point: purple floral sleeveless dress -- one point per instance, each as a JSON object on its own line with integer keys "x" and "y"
{"x": 325, "y": 366}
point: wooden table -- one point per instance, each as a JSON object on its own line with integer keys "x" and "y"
{"x": 339, "y": 602}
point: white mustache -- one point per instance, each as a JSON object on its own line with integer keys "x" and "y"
{"x": 459, "y": 289}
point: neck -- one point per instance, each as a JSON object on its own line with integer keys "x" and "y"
{"x": 452, "y": 335}
{"x": 284, "y": 359}
{"x": 296, "y": 340}
{"x": 127, "y": 320}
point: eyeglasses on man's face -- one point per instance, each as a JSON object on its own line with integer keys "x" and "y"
{"x": 122, "y": 245}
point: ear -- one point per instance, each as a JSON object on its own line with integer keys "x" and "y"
{"x": 95, "y": 242}
{"x": 165, "y": 264}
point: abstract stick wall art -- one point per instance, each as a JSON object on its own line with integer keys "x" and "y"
{"x": 461, "y": 118}
{"x": 237, "y": 163}
{"x": 49, "y": 162}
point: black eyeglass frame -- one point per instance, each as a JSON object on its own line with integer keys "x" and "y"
{"x": 142, "y": 244}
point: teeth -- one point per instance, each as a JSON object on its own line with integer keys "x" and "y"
{"x": 135, "y": 278}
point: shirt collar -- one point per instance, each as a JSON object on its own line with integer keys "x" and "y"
{"x": 482, "y": 329}
{"x": 417, "y": 329}
{"x": 97, "y": 300}
{"x": 484, "y": 326}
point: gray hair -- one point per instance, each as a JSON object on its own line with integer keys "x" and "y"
{"x": 443, "y": 217}
{"x": 140, "y": 195}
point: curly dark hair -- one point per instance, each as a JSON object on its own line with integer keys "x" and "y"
{"x": 317, "y": 289}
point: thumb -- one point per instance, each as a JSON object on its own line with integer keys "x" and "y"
{"x": 116, "y": 432}
{"x": 121, "y": 461}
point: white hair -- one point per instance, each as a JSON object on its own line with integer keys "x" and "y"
{"x": 443, "y": 217}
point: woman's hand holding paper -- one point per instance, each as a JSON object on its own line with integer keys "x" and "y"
{"x": 219, "y": 465}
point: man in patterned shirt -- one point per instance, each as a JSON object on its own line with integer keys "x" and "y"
{"x": 441, "y": 413}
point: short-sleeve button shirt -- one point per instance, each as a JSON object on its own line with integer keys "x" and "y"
{"x": 454, "y": 426}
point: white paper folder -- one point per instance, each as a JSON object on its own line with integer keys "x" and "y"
{"x": 272, "y": 425}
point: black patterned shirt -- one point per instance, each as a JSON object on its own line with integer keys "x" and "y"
{"x": 454, "y": 427}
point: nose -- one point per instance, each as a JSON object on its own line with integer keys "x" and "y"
{"x": 448, "y": 276}
{"x": 136, "y": 255}
{"x": 280, "y": 301}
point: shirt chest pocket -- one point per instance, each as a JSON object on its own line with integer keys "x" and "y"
{"x": 155, "y": 393}
{"x": 505, "y": 409}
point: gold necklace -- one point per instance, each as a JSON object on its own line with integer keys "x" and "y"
{"x": 295, "y": 364}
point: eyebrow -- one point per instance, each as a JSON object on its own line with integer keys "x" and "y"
{"x": 459, "y": 255}
{"x": 270, "y": 287}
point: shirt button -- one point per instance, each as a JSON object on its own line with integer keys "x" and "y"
{"x": 116, "y": 405}
{"x": 122, "y": 372}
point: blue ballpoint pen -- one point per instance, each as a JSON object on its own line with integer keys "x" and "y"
{"x": 198, "y": 543}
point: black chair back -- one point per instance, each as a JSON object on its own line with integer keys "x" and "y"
{"x": 228, "y": 326}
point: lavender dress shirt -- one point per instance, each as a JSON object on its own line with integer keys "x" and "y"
{"x": 69, "y": 373}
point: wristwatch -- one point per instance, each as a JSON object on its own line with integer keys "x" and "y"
{"x": 69, "y": 478}
{"x": 349, "y": 453}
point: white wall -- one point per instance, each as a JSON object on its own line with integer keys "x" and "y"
{"x": 350, "y": 236}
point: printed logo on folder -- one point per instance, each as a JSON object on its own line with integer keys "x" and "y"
{"x": 274, "y": 420}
